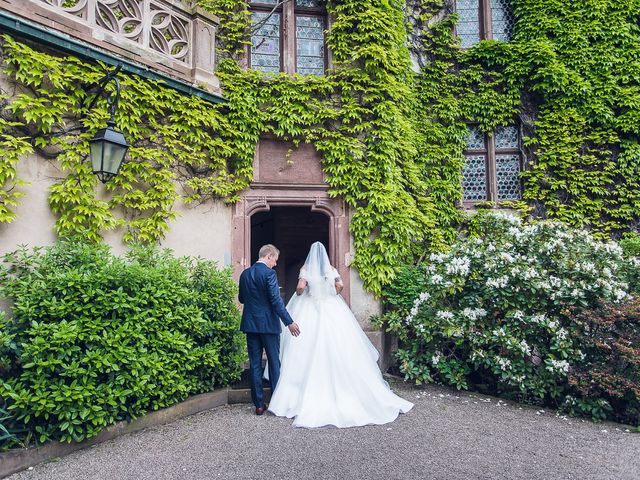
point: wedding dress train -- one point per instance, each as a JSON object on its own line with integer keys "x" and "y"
{"x": 329, "y": 373}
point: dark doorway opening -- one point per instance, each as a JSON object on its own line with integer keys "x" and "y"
{"x": 292, "y": 230}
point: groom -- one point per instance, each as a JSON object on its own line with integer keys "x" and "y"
{"x": 260, "y": 294}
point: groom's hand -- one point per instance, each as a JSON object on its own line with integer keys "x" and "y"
{"x": 294, "y": 329}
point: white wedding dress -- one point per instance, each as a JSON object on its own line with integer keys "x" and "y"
{"x": 329, "y": 373}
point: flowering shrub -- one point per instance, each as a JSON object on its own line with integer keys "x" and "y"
{"x": 494, "y": 310}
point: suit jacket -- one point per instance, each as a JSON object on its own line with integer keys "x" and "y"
{"x": 263, "y": 305}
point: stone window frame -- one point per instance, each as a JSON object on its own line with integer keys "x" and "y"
{"x": 490, "y": 151}
{"x": 289, "y": 12}
{"x": 485, "y": 20}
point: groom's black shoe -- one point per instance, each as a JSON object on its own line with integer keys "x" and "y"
{"x": 261, "y": 410}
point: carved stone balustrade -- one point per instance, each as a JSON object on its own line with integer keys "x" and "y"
{"x": 172, "y": 36}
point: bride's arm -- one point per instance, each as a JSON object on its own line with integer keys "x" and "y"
{"x": 339, "y": 285}
{"x": 302, "y": 283}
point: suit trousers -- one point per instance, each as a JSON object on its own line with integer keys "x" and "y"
{"x": 256, "y": 344}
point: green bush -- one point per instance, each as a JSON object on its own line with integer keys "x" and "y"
{"x": 93, "y": 338}
{"x": 500, "y": 310}
{"x": 630, "y": 244}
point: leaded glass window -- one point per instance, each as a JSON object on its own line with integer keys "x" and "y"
{"x": 265, "y": 42}
{"x": 508, "y": 176}
{"x": 468, "y": 27}
{"x": 492, "y": 165}
{"x": 483, "y": 20}
{"x": 501, "y": 20}
{"x": 506, "y": 137}
{"x": 475, "y": 178}
{"x": 276, "y": 46}
{"x": 310, "y": 45}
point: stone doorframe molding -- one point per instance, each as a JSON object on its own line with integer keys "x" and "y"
{"x": 261, "y": 197}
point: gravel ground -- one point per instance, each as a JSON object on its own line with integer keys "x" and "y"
{"x": 448, "y": 435}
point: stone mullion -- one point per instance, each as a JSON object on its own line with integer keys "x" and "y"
{"x": 485, "y": 20}
{"x": 289, "y": 37}
{"x": 492, "y": 179}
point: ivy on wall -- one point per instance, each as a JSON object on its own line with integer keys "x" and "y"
{"x": 578, "y": 63}
{"x": 175, "y": 140}
{"x": 391, "y": 138}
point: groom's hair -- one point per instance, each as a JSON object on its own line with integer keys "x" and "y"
{"x": 267, "y": 250}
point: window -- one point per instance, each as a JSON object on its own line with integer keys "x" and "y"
{"x": 483, "y": 20}
{"x": 492, "y": 165}
{"x": 276, "y": 48}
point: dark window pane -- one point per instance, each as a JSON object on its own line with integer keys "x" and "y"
{"x": 501, "y": 20}
{"x": 265, "y": 42}
{"x": 474, "y": 178}
{"x": 508, "y": 176}
{"x": 468, "y": 27}
{"x": 310, "y": 45}
{"x": 309, "y": 3}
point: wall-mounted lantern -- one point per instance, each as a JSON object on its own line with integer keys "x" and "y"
{"x": 108, "y": 147}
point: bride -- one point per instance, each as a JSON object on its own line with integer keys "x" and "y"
{"x": 329, "y": 374}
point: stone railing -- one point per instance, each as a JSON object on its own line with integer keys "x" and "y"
{"x": 173, "y": 36}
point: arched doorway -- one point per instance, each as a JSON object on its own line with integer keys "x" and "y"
{"x": 292, "y": 220}
{"x": 292, "y": 230}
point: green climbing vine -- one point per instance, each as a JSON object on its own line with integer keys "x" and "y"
{"x": 176, "y": 142}
{"x": 389, "y": 120}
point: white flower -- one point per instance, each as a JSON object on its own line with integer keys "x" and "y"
{"x": 559, "y": 366}
{"x": 504, "y": 363}
{"x": 437, "y": 279}
{"x": 499, "y": 332}
{"x": 529, "y": 273}
{"x": 508, "y": 258}
{"x": 437, "y": 257}
{"x": 587, "y": 267}
{"x": 524, "y": 346}
{"x": 500, "y": 282}
{"x": 508, "y": 217}
{"x": 444, "y": 315}
{"x": 458, "y": 266}
{"x": 613, "y": 247}
{"x": 424, "y": 296}
{"x": 474, "y": 313}
{"x": 541, "y": 318}
{"x": 435, "y": 359}
{"x": 552, "y": 325}
{"x": 562, "y": 334}
{"x": 619, "y": 295}
{"x": 515, "y": 232}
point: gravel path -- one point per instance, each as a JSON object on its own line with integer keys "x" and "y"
{"x": 448, "y": 435}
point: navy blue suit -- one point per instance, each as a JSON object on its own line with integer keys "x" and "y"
{"x": 263, "y": 309}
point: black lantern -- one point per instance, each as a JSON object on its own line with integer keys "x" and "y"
{"x": 108, "y": 147}
{"x": 107, "y": 150}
